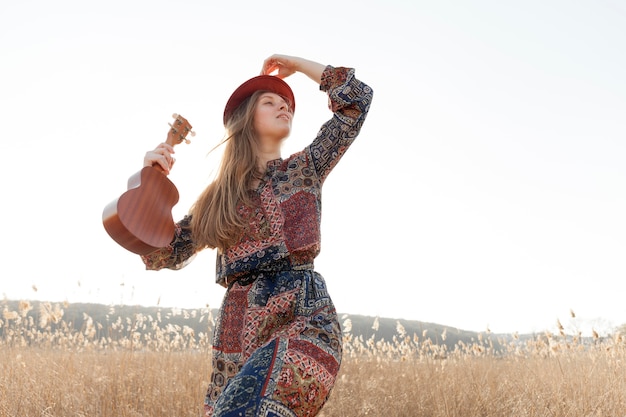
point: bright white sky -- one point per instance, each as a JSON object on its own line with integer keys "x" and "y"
{"x": 487, "y": 188}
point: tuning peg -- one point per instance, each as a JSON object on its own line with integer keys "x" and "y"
{"x": 192, "y": 133}
{"x": 173, "y": 128}
{"x": 187, "y": 141}
{"x": 175, "y": 115}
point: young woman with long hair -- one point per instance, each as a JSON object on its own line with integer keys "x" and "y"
{"x": 277, "y": 341}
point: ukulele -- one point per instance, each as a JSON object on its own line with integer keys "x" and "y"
{"x": 140, "y": 220}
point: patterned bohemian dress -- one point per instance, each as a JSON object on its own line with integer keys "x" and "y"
{"x": 277, "y": 341}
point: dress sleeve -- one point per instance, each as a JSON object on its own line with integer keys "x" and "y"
{"x": 349, "y": 99}
{"x": 177, "y": 254}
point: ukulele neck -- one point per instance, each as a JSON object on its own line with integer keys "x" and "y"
{"x": 178, "y": 133}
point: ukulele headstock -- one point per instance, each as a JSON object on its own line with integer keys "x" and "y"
{"x": 179, "y": 131}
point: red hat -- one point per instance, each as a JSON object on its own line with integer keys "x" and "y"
{"x": 262, "y": 82}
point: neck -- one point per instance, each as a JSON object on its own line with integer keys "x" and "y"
{"x": 266, "y": 155}
{"x": 264, "y": 158}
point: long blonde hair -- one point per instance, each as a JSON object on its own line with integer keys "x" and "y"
{"x": 216, "y": 219}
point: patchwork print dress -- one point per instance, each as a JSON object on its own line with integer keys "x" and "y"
{"x": 277, "y": 342}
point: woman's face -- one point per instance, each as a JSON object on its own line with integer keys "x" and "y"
{"x": 272, "y": 120}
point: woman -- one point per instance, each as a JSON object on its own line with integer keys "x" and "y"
{"x": 277, "y": 342}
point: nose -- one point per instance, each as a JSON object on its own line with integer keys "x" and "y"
{"x": 283, "y": 106}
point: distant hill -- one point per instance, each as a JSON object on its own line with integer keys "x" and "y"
{"x": 388, "y": 328}
{"x": 201, "y": 320}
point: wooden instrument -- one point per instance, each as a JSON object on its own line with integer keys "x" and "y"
{"x": 140, "y": 220}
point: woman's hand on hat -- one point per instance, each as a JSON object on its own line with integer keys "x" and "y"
{"x": 161, "y": 156}
{"x": 287, "y": 65}
{"x": 284, "y": 64}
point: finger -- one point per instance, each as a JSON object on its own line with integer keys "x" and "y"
{"x": 269, "y": 68}
{"x": 160, "y": 157}
{"x": 272, "y": 64}
{"x": 157, "y": 157}
{"x": 164, "y": 164}
{"x": 267, "y": 63}
{"x": 168, "y": 159}
{"x": 265, "y": 67}
{"x": 166, "y": 146}
{"x": 164, "y": 151}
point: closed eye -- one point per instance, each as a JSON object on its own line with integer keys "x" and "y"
{"x": 273, "y": 102}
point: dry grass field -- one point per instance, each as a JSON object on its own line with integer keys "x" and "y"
{"x": 150, "y": 368}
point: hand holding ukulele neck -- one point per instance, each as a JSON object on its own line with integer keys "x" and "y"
{"x": 140, "y": 220}
{"x": 161, "y": 158}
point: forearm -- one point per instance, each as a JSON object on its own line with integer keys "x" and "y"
{"x": 349, "y": 99}
{"x": 311, "y": 69}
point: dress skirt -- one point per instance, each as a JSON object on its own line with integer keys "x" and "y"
{"x": 276, "y": 348}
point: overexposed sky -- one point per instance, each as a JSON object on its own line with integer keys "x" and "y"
{"x": 487, "y": 188}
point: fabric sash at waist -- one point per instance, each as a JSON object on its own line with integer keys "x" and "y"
{"x": 274, "y": 267}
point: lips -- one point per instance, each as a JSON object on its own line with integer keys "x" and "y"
{"x": 284, "y": 116}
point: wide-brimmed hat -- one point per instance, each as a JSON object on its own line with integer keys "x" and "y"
{"x": 269, "y": 83}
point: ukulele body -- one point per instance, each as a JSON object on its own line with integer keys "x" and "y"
{"x": 140, "y": 220}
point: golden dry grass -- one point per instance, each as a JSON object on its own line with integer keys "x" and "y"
{"x": 37, "y": 382}
{"x": 48, "y": 369}
{"x": 584, "y": 385}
